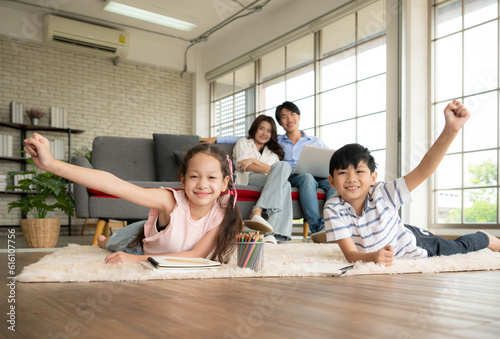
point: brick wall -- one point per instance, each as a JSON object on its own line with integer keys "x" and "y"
{"x": 131, "y": 99}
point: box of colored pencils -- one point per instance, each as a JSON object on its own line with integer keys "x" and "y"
{"x": 250, "y": 248}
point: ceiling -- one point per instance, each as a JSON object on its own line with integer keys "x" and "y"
{"x": 207, "y": 13}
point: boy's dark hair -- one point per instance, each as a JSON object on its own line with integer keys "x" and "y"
{"x": 289, "y": 106}
{"x": 351, "y": 154}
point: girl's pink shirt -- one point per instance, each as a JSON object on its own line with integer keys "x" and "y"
{"x": 182, "y": 233}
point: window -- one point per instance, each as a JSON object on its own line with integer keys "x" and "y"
{"x": 234, "y": 102}
{"x": 336, "y": 76}
{"x": 465, "y": 63}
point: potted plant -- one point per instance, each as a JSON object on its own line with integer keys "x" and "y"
{"x": 42, "y": 192}
{"x": 35, "y": 114}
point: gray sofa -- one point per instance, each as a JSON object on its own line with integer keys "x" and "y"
{"x": 149, "y": 163}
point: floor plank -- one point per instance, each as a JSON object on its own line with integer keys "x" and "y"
{"x": 461, "y": 305}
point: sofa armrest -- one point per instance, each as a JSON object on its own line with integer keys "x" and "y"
{"x": 81, "y": 193}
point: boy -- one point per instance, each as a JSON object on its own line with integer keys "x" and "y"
{"x": 363, "y": 216}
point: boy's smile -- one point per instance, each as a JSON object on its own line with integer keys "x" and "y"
{"x": 353, "y": 184}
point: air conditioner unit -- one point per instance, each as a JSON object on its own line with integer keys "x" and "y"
{"x": 85, "y": 37}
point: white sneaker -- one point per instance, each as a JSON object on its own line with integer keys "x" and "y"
{"x": 259, "y": 224}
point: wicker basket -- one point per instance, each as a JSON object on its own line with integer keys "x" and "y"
{"x": 41, "y": 233}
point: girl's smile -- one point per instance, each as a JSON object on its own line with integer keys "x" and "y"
{"x": 203, "y": 181}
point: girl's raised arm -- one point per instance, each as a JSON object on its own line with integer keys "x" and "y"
{"x": 38, "y": 147}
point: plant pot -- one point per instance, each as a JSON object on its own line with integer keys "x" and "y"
{"x": 41, "y": 233}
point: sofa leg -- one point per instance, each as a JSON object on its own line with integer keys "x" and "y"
{"x": 101, "y": 223}
{"x": 306, "y": 229}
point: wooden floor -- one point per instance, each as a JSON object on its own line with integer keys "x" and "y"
{"x": 462, "y": 305}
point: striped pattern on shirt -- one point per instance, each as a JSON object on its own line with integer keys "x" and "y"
{"x": 379, "y": 225}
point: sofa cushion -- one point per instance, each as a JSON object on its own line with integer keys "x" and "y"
{"x": 164, "y": 147}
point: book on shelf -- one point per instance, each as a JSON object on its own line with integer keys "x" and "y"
{"x": 57, "y": 149}
{"x": 58, "y": 117}
{"x": 16, "y": 112}
{"x": 19, "y": 177}
{"x": 3, "y": 182}
{"x": 6, "y": 145}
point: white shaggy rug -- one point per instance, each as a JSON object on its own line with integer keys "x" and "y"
{"x": 76, "y": 263}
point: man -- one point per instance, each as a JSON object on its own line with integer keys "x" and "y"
{"x": 293, "y": 142}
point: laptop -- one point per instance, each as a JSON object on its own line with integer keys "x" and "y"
{"x": 314, "y": 160}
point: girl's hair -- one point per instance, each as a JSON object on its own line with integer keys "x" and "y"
{"x": 232, "y": 224}
{"x": 272, "y": 144}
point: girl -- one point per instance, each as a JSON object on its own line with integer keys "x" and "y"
{"x": 258, "y": 158}
{"x": 192, "y": 222}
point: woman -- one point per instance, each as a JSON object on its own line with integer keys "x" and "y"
{"x": 258, "y": 159}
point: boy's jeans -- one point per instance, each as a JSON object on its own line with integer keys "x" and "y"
{"x": 438, "y": 246}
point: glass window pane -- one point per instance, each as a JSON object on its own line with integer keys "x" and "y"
{"x": 380, "y": 161}
{"x": 478, "y": 11}
{"x": 244, "y": 77}
{"x": 300, "y": 52}
{"x": 339, "y": 134}
{"x": 371, "y": 20}
{"x": 371, "y": 131}
{"x": 449, "y": 172}
{"x": 338, "y": 70}
{"x": 371, "y": 58}
{"x": 306, "y": 107}
{"x": 449, "y": 207}
{"x": 481, "y": 58}
{"x": 448, "y": 18}
{"x": 338, "y": 35}
{"x": 300, "y": 84}
{"x": 480, "y": 205}
{"x": 273, "y": 64}
{"x": 224, "y": 86}
{"x": 448, "y": 81}
{"x": 371, "y": 95}
{"x": 272, "y": 93}
{"x": 480, "y": 131}
{"x": 338, "y": 104}
{"x": 480, "y": 169}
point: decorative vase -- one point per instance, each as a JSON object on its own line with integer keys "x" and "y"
{"x": 41, "y": 233}
{"x": 34, "y": 121}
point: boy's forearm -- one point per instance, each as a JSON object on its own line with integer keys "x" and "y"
{"x": 431, "y": 160}
{"x": 355, "y": 256}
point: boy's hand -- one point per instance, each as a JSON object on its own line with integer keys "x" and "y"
{"x": 38, "y": 147}
{"x": 385, "y": 256}
{"x": 456, "y": 115}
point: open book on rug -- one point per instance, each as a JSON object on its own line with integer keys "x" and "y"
{"x": 176, "y": 263}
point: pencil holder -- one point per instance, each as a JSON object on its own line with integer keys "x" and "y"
{"x": 250, "y": 255}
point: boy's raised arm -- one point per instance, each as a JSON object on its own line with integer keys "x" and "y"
{"x": 455, "y": 116}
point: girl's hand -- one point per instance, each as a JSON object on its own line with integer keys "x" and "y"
{"x": 38, "y": 147}
{"x": 118, "y": 257}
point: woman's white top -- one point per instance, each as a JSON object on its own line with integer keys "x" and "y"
{"x": 246, "y": 149}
